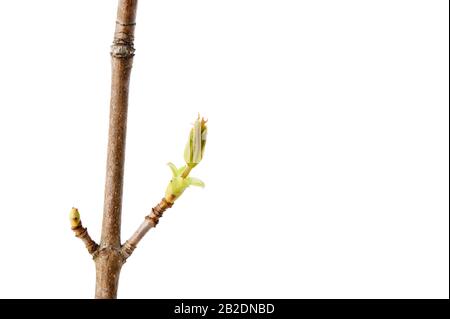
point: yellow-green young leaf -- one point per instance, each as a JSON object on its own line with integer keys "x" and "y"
{"x": 173, "y": 168}
{"x": 195, "y": 147}
{"x": 196, "y": 182}
{"x": 188, "y": 147}
{"x": 178, "y": 184}
{"x": 204, "y": 136}
{"x": 197, "y": 143}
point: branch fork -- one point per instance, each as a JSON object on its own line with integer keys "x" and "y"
{"x": 109, "y": 255}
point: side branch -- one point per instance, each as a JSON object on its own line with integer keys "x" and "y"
{"x": 82, "y": 232}
{"x": 149, "y": 222}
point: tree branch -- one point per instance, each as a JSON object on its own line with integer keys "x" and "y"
{"x": 122, "y": 52}
{"x": 108, "y": 261}
{"x": 149, "y": 222}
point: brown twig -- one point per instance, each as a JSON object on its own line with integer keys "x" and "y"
{"x": 82, "y": 233}
{"x": 150, "y": 221}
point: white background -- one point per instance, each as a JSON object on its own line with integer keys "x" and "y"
{"x": 326, "y": 167}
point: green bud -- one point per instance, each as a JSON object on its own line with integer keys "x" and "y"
{"x": 74, "y": 216}
{"x": 178, "y": 183}
{"x": 195, "y": 147}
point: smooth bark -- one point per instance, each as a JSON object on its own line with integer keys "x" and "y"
{"x": 150, "y": 221}
{"x": 108, "y": 259}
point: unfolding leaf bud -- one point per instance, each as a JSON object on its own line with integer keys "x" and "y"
{"x": 178, "y": 183}
{"x": 195, "y": 147}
